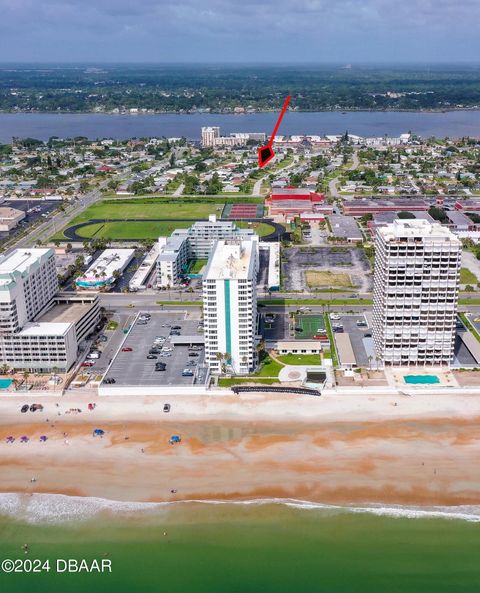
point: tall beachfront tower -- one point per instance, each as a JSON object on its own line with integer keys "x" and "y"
{"x": 230, "y": 306}
{"x": 415, "y": 293}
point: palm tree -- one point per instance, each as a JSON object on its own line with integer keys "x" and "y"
{"x": 4, "y": 368}
{"x": 25, "y": 376}
{"x": 370, "y": 358}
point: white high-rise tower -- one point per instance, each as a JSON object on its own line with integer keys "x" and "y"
{"x": 416, "y": 284}
{"x": 230, "y": 306}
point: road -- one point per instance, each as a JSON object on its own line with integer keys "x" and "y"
{"x": 332, "y": 186}
{"x": 179, "y": 191}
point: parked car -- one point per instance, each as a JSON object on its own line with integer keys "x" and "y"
{"x": 335, "y": 316}
{"x": 127, "y": 349}
{"x": 176, "y": 327}
{"x": 152, "y": 356}
{"x": 161, "y": 368}
{"x": 88, "y": 363}
{"x": 154, "y": 351}
{"x": 187, "y": 373}
{"x": 367, "y": 335}
{"x": 193, "y": 354}
{"x": 110, "y": 380}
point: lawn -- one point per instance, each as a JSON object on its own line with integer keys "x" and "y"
{"x": 229, "y": 382}
{"x": 197, "y": 265}
{"x": 304, "y": 359}
{"x": 142, "y": 209}
{"x": 467, "y": 277}
{"x": 261, "y": 228}
{"x": 309, "y": 324}
{"x": 131, "y": 230}
{"x": 269, "y": 368}
{"x": 315, "y": 279}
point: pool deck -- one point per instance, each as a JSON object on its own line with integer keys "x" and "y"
{"x": 396, "y": 378}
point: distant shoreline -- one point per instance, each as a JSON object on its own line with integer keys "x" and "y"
{"x": 256, "y": 112}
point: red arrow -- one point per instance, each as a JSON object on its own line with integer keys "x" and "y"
{"x": 266, "y": 153}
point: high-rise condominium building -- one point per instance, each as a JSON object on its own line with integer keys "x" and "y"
{"x": 416, "y": 283}
{"x": 210, "y": 135}
{"x": 40, "y": 329}
{"x": 230, "y": 306}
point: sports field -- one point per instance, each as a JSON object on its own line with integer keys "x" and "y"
{"x": 310, "y": 325}
{"x": 131, "y": 230}
{"x": 142, "y": 209}
{"x": 261, "y": 228}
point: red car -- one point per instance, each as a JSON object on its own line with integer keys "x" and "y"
{"x": 87, "y": 363}
{"x": 127, "y": 349}
{"x": 320, "y": 337}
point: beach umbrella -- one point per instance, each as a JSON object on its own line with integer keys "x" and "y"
{"x": 98, "y": 432}
{"x": 10, "y": 439}
{"x": 175, "y": 439}
{"x": 24, "y": 439}
{"x": 43, "y": 438}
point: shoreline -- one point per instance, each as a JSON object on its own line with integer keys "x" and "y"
{"x": 46, "y": 508}
{"x": 256, "y": 112}
{"x": 340, "y": 450}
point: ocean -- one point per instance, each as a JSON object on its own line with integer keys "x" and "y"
{"x": 454, "y": 124}
{"x": 267, "y": 547}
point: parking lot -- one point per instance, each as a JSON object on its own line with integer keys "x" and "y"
{"x": 338, "y": 260}
{"x": 131, "y": 367}
{"x": 362, "y": 345}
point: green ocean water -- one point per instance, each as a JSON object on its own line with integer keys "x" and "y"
{"x": 249, "y": 549}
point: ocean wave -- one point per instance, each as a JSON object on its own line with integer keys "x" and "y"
{"x": 59, "y": 508}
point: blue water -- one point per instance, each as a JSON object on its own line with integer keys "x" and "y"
{"x": 363, "y": 123}
{"x": 5, "y": 383}
{"x": 421, "y": 379}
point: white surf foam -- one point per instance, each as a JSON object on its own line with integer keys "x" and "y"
{"x": 57, "y": 508}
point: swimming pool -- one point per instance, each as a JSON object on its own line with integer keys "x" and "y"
{"x": 421, "y": 379}
{"x": 5, "y": 383}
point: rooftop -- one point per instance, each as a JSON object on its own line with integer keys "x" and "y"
{"x": 419, "y": 229}
{"x": 65, "y": 313}
{"x": 232, "y": 259}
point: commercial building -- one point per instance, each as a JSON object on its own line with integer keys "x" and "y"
{"x": 345, "y": 228}
{"x": 416, "y": 284}
{"x": 39, "y": 329}
{"x": 291, "y": 202}
{"x": 140, "y": 278}
{"x": 230, "y": 306}
{"x": 9, "y": 218}
{"x": 211, "y": 137}
{"x": 105, "y": 268}
{"x": 185, "y": 245}
{"x": 359, "y": 207}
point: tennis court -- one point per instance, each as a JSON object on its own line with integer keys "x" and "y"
{"x": 310, "y": 324}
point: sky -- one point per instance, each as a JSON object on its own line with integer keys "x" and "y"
{"x": 239, "y": 30}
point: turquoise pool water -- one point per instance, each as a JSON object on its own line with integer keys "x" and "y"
{"x": 5, "y": 383}
{"x": 421, "y": 379}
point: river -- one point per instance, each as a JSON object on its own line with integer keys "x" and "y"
{"x": 454, "y": 124}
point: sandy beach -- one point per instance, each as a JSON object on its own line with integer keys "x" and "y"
{"x": 338, "y": 449}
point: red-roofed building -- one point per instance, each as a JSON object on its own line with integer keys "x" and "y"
{"x": 293, "y": 201}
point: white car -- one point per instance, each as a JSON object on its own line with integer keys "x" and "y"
{"x": 167, "y": 349}
{"x": 335, "y": 317}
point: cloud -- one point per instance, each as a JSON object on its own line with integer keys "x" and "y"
{"x": 233, "y": 30}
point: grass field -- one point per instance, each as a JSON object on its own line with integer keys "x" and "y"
{"x": 315, "y": 279}
{"x": 140, "y": 209}
{"x": 261, "y": 228}
{"x": 309, "y": 324}
{"x": 131, "y": 230}
{"x": 467, "y": 277}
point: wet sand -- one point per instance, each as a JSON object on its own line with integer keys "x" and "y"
{"x": 404, "y": 460}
